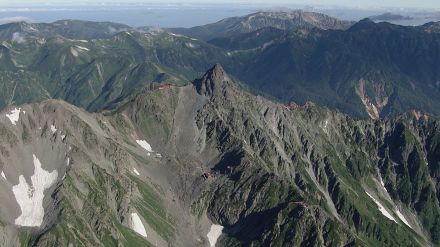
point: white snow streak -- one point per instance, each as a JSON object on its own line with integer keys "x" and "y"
{"x": 3, "y": 175}
{"x": 144, "y": 144}
{"x": 397, "y": 211}
{"x": 176, "y": 35}
{"x": 214, "y": 234}
{"x": 30, "y": 197}
{"x": 14, "y": 116}
{"x": 137, "y": 225}
{"x": 136, "y": 171}
{"x": 402, "y": 218}
{"x": 382, "y": 208}
{"x": 382, "y": 183}
{"x": 82, "y": 48}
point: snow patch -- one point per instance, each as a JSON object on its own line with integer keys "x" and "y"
{"x": 402, "y": 218}
{"x": 382, "y": 208}
{"x": 325, "y": 127}
{"x": 53, "y": 129}
{"x": 214, "y": 234}
{"x": 191, "y": 45}
{"x": 176, "y": 35}
{"x": 82, "y": 48}
{"x": 396, "y": 210}
{"x": 137, "y": 225}
{"x": 30, "y": 196}
{"x": 3, "y": 175}
{"x": 74, "y": 52}
{"x": 136, "y": 171}
{"x": 63, "y": 137}
{"x": 382, "y": 183}
{"x": 144, "y": 144}
{"x": 14, "y": 116}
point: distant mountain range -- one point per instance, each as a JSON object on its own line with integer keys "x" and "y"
{"x": 365, "y": 69}
{"x": 390, "y": 17}
{"x": 66, "y": 28}
{"x": 280, "y": 20}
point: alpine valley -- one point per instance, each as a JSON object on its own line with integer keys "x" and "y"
{"x": 207, "y": 136}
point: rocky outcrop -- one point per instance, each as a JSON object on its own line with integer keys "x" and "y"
{"x": 213, "y": 82}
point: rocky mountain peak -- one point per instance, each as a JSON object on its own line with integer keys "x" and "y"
{"x": 363, "y": 24}
{"x": 217, "y": 72}
{"x": 431, "y": 27}
{"x": 213, "y": 80}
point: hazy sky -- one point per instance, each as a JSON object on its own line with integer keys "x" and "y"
{"x": 348, "y": 3}
{"x": 188, "y": 13}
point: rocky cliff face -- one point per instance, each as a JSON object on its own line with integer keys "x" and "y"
{"x": 172, "y": 162}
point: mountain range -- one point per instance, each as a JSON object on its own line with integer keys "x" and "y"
{"x": 273, "y": 129}
{"x": 180, "y": 166}
{"x": 365, "y": 69}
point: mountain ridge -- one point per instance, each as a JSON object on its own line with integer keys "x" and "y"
{"x": 362, "y": 71}
{"x": 284, "y": 20}
{"x": 210, "y": 150}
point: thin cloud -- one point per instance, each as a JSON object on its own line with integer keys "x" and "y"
{"x": 5, "y": 20}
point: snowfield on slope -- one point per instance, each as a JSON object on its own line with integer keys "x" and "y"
{"x": 214, "y": 234}
{"x": 73, "y": 51}
{"x": 145, "y": 145}
{"x": 14, "y": 116}
{"x": 382, "y": 208}
{"x": 30, "y": 197}
{"x": 137, "y": 225}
